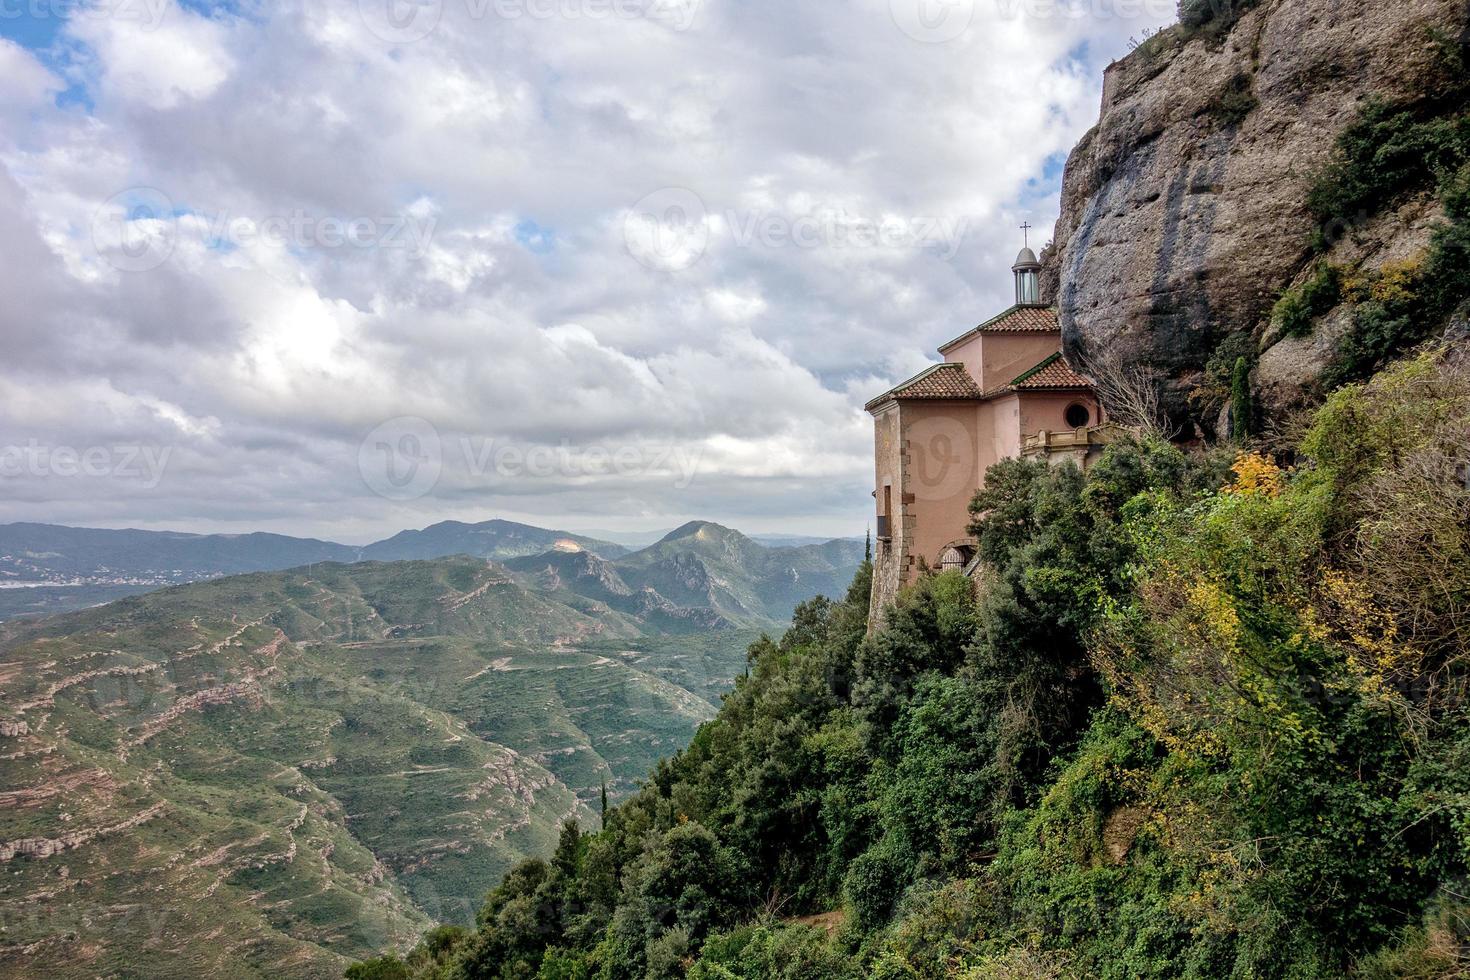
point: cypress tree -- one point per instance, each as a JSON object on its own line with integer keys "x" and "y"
{"x": 1242, "y": 408}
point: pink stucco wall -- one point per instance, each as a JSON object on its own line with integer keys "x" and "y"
{"x": 997, "y": 359}
{"x": 946, "y": 461}
{"x": 1047, "y": 410}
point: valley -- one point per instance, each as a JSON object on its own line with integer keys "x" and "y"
{"x": 276, "y": 773}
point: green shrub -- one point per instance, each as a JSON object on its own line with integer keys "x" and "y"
{"x": 1393, "y": 149}
{"x": 875, "y": 881}
{"x": 1218, "y": 15}
{"x": 1242, "y": 404}
{"x": 1236, "y": 102}
{"x": 1197, "y": 13}
{"x": 1214, "y": 390}
{"x": 1384, "y": 328}
{"x": 382, "y": 968}
{"x": 772, "y": 953}
{"x": 1298, "y": 308}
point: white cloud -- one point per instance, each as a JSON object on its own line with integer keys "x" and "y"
{"x": 159, "y": 60}
{"x": 27, "y": 83}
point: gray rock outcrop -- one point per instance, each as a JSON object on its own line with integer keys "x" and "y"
{"x": 1184, "y": 211}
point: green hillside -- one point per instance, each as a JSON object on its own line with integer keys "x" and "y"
{"x": 1206, "y": 716}
{"x": 703, "y": 564}
{"x": 274, "y": 774}
{"x": 496, "y": 540}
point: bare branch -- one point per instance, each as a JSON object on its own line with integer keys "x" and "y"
{"x": 1131, "y": 393}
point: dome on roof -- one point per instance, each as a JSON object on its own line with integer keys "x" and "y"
{"x": 1026, "y": 260}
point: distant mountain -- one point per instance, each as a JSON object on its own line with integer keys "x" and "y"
{"x": 585, "y": 574}
{"x": 793, "y": 540}
{"x": 700, "y": 566}
{"x": 707, "y": 565}
{"x": 492, "y": 539}
{"x": 52, "y": 553}
{"x": 632, "y": 540}
{"x": 47, "y": 568}
{"x": 295, "y": 769}
{"x": 319, "y": 762}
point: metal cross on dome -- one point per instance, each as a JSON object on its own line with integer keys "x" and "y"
{"x": 1026, "y": 230}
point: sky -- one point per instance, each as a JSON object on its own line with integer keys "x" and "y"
{"x": 340, "y": 267}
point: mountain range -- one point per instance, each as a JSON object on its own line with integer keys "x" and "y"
{"x": 46, "y": 568}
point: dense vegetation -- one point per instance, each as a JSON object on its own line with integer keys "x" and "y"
{"x": 1392, "y": 151}
{"x": 1204, "y": 717}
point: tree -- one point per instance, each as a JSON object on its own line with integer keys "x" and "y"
{"x": 684, "y": 884}
{"x": 1242, "y": 404}
{"x": 1132, "y": 392}
{"x": 382, "y": 968}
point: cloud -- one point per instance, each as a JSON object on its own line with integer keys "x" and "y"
{"x": 157, "y": 54}
{"x": 27, "y": 83}
{"x": 704, "y": 230}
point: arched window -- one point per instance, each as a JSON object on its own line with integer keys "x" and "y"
{"x": 1078, "y": 416}
{"x": 954, "y": 558}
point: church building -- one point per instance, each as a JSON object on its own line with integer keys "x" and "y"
{"x": 1004, "y": 389}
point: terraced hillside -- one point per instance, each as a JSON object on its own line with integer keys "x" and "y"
{"x": 272, "y": 774}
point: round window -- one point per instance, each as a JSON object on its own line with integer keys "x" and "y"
{"x": 1078, "y": 416}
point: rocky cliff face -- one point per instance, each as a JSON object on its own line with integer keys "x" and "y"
{"x": 1184, "y": 211}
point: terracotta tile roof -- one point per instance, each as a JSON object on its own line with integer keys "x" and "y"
{"x": 1017, "y": 319}
{"x": 1054, "y": 372}
{"x": 940, "y": 382}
